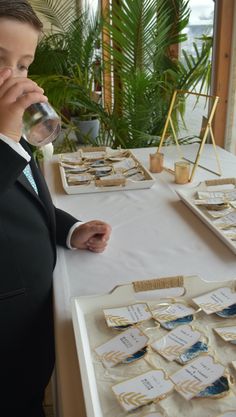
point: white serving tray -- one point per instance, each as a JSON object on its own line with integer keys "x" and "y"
{"x": 90, "y": 331}
{"x": 188, "y": 196}
{"x": 130, "y": 184}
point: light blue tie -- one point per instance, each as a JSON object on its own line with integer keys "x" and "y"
{"x": 28, "y": 173}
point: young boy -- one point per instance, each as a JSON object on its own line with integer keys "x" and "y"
{"x": 30, "y": 228}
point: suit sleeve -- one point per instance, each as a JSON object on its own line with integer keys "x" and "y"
{"x": 64, "y": 221}
{"x": 11, "y": 166}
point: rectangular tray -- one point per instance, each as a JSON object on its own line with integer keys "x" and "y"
{"x": 187, "y": 196}
{"x": 148, "y": 182}
{"x": 90, "y": 331}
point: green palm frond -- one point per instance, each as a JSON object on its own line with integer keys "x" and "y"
{"x": 195, "y": 70}
{"x": 179, "y": 13}
{"x": 59, "y": 13}
{"x": 63, "y": 52}
{"x": 134, "y": 34}
{"x": 142, "y": 32}
{"x": 51, "y": 56}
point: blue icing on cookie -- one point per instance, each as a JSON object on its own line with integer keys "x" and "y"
{"x": 227, "y": 312}
{"x": 220, "y": 386}
{"x": 193, "y": 352}
{"x": 169, "y": 325}
{"x": 136, "y": 356}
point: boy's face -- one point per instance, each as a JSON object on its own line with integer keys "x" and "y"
{"x": 18, "y": 42}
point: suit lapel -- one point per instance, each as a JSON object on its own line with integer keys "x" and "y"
{"x": 23, "y": 181}
{"x": 43, "y": 197}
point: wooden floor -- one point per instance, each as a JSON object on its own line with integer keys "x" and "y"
{"x": 49, "y": 411}
{"x": 48, "y": 402}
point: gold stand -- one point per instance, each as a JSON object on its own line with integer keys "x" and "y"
{"x": 206, "y": 130}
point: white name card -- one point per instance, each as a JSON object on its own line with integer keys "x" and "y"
{"x": 196, "y": 376}
{"x": 227, "y": 333}
{"x": 126, "y": 315}
{"x": 176, "y": 342}
{"x": 172, "y": 312}
{"x": 216, "y": 300}
{"x": 122, "y": 346}
{"x": 143, "y": 389}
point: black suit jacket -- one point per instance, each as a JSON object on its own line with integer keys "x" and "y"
{"x": 30, "y": 228}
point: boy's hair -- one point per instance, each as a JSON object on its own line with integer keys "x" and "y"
{"x": 21, "y": 11}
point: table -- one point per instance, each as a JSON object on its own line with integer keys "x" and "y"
{"x": 154, "y": 235}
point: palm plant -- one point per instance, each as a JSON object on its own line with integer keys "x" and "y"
{"x": 145, "y": 75}
{"x": 65, "y": 57}
{"x": 58, "y": 13}
{"x": 144, "y": 72}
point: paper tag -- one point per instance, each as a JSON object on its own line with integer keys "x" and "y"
{"x": 176, "y": 342}
{"x": 122, "y": 346}
{"x": 196, "y": 376}
{"x": 74, "y": 159}
{"x": 125, "y": 164}
{"x": 172, "y": 312}
{"x": 209, "y": 201}
{"x": 74, "y": 168}
{"x": 94, "y": 155}
{"x": 227, "y": 333}
{"x": 130, "y": 314}
{"x": 79, "y": 177}
{"x": 230, "y": 233}
{"x": 142, "y": 389}
{"x": 220, "y": 213}
{"x": 226, "y": 220}
{"x": 114, "y": 177}
{"x": 226, "y": 195}
{"x": 216, "y": 300}
{"x": 137, "y": 177}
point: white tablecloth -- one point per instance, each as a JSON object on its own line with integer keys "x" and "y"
{"x": 154, "y": 235}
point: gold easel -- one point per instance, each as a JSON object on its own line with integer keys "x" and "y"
{"x": 206, "y": 130}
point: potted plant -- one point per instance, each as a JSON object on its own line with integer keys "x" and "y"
{"x": 66, "y": 65}
{"x": 146, "y": 74}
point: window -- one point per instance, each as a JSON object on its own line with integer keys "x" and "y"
{"x": 200, "y": 23}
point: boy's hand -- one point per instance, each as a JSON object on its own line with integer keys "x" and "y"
{"x": 93, "y": 235}
{"x": 16, "y": 94}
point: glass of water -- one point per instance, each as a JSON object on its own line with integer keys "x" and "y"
{"x": 41, "y": 124}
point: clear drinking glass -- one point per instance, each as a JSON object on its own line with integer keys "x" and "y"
{"x": 41, "y": 124}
